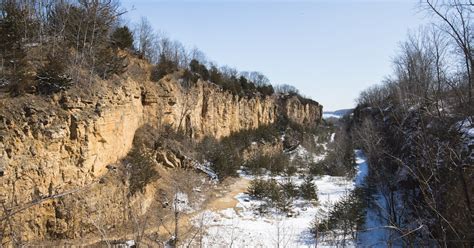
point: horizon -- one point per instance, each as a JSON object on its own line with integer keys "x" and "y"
{"x": 288, "y": 42}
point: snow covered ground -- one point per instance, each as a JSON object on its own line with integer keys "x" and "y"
{"x": 242, "y": 226}
{"x": 376, "y": 229}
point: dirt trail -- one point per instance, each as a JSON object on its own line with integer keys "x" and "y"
{"x": 228, "y": 199}
{"x": 223, "y": 198}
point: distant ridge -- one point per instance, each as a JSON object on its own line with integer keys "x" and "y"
{"x": 337, "y": 113}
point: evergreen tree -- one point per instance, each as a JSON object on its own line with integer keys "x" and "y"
{"x": 13, "y": 56}
{"x": 122, "y": 38}
{"x": 164, "y": 66}
{"x": 308, "y": 189}
{"x": 52, "y": 77}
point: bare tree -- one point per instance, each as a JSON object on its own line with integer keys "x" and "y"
{"x": 259, "y": 79}
{"x": 286, "y": 89}
{"x": 145, "y": 39}
{"x": 282, "y": 233}
{"x": 178, "y": 201}
{"x": 198, "y": 55}
{"x": 456, "y": 17}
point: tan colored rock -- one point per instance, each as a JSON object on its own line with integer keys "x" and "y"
{"x": 49, "y": 147}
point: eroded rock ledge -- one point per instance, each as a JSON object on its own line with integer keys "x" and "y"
{"x": 55, "y": 144}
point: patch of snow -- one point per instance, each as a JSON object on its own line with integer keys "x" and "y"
{"x": 302, "y": 152}
{"x": 242, "y": 226}
{"x": 130, "y": 243}
{"x": 414, "y": 108}
{"x": 362, "y": 168}
{"x": 465, "y": 125}
{"x": 181, "y": 202}
{"x": 206, "y": 168}
{"x": 470, "y": 132}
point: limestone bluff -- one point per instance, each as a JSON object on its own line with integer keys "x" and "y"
{"x": 65, "y": 142}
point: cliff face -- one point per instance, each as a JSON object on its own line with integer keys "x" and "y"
{"x": 65, "y": 143}
{"x": 206, "y": 110}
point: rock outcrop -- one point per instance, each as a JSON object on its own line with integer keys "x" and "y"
{"x": 65, "y": 142}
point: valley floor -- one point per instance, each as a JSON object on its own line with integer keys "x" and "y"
{"x": 240, "y": 225}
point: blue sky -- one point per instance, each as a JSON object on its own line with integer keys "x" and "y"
{"x": 330, "y": 50}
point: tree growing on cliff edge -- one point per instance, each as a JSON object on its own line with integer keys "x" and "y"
{"x": 457, "y": 21}
{"x": 286, "y": 89}
{"x": 14, "y": 26}
{"x": 145, "y": 40}
{"x": 407, "y": 128}
{"x": 50, "y": 28}
{"x": 122, "y": 38}
{"x": 52, "y": 77}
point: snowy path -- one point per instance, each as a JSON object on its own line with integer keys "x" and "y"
{"x": 376, "y": 233}
{"x": 362, "y": 168}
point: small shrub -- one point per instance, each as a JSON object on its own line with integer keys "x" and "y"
{"x": 279, "y": 163}
{"x": 316, "y": 169}
{"x": 164, "y": 67}
{"x": 275, "y": 195}
{"x": 189, "y": 79}
{"x": 256, "y": 164}
{"x": 347, "y": 215}
{"x": 141, "y": 170}
{"x": 308, "y": 190}
{"x": 199, "y": 69}
{"x": 266, "y": 90}
{"x": 225, "y": 161}
{"x": 262, "y": 189}
{"x": 283, "y": 203}
{"x": 290, "y": 190}
{"x": 257, "y": 188}
{"x": 108, "y": 62}
{"x": 275, "y": 163}
{"x": 290, "y": 170}
{"x": 273, "y": 191}
{"x": 52, "y": 77}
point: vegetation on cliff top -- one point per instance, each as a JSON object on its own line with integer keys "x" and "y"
{"x": 47, "y": 46}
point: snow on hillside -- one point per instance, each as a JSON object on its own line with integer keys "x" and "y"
{"x": 300, "y": 151}
{"x": 242, "y": 226}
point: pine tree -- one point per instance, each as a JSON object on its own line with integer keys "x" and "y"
{"x": 12, "y": 54}
{"x": 308, "y": 189}
{"x": 52, "y": 77}
{"x": 122, "y": 38}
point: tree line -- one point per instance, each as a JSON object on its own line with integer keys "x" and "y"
{"x": 48, "y": 45}
{"x": 413, "y": 130}
{"x": 42, "y": 41}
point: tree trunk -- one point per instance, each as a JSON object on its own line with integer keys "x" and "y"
{"x": 176, "y": 228}
{"x": 468, "y": 204}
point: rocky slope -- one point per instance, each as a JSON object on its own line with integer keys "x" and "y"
{"x": 65, "y": 143}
